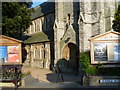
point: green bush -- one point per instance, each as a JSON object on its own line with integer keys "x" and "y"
{"x": 22, "y": 74}
{"x": 87, "y": 67}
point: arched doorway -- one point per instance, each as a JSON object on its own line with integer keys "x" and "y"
{"x": 70, "y": 54}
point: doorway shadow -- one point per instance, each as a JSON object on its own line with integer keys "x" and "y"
{"x": 61, "y": 73}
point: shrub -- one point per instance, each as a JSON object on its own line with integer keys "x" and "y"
{"x": 94, "y": 70}
{"x": 25, "y": 73}
{"x": 87, "y": 67}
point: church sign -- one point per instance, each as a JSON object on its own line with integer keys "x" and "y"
{"x": 105, "y": 81}
{"x": 10, "y": 50}
{"x": 105, "y": 48}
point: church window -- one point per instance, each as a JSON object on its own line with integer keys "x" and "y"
{"x": 32, "y": 28}
{"x": 68, "y": 18}
{"x": 29, "y": 30}
{"x": 40, "y": 25}
{"x": 35, "y": 30}
{"x": 35, "y": 53}
{"x": 38, "y": 54}
{"x": 42, "y": 52}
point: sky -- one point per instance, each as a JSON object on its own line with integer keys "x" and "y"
{"x": 37, "y": 2}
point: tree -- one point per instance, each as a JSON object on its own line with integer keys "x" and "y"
{"x": 15, "y": 18}
{"x": 116, "y": 21}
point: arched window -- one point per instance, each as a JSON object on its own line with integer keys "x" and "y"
{"x": 40, "y": 25}
{"x": 68, "y": 18}
{"x": 35, "y": 51}
{"x": 29, "y": 30}
{"x": 35, "y": 30}
{"x": 32, "y": 27}
{"x": 42, "y": 52}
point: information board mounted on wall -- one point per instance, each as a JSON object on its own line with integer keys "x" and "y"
{"x": 105, "y": 48}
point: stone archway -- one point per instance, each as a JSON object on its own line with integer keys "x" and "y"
{"x": 70, "y": 54}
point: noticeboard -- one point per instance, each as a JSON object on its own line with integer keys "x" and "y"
{"x": 105, "y": 48}
{"x": 10, "y": 51}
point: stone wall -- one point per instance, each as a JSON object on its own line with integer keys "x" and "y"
{"x": 66, "y": 15}
{"x": 42, "y": 23}
{"x": 38, "y": 55}
{"x": 96, "y": 81}
{"x": 77, "y": 22}
{"x": 74, "y": 22}
{"x": 95, "y": 20}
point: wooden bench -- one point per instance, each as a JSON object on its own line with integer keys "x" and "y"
{"x": 10, "y": 73}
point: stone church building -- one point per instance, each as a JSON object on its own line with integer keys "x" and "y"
{"x": 60, "y": 31}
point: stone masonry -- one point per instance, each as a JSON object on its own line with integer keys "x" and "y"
{"x": 72, "y": 24}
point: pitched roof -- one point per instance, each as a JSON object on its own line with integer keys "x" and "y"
{"x": 39, "y": 37}
{"x": 103, "y": 34}
{"x": 43, "y": 9}
{"x": 3, "y": 36}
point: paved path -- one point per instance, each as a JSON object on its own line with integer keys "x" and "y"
{"x": 49, "y": 76}
{"x": 40, "y": 74}
{"x": 31, "y": 82}
{"x": 44, "y": 78}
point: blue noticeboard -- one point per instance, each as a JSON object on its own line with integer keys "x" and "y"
{"x": 3, "y": 53}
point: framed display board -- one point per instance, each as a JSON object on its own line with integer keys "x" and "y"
{"x": 10, "y": 50}
{"x": 105, "y": 48}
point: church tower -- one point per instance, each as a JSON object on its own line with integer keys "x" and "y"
{"x": 75, "y": 23}
{"x": 66, "y": 39}
{"x": 95, "y": 18}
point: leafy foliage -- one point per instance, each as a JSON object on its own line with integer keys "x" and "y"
{"x": 87, "y": 67}
{"x": 11, "y": 75}
{"x": 15, "y": 18}
{"x": 94, "y": 70}
{"x": 116, "y": 21}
